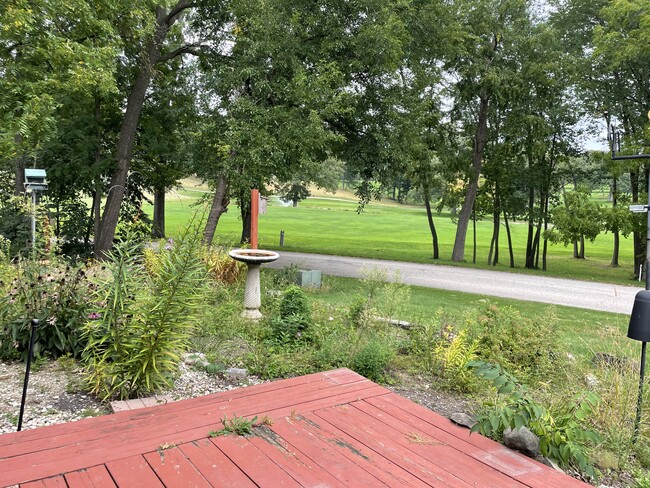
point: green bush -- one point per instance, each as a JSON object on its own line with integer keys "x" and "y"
{"x": 144, "y": 322}
{"x": 328, "y": 352}
{"x": 294, "y": 316}
{"x": 522, "y": 345}
{"x": 57, "y": 297}
{"x": 562, "y": 433}
{"x": 286, "y": 276}
{"x": 74, "y": 221}
{"x": 451, "y": 356}
{"x": 372, "y": 359}
{"x": 15, "y": 224}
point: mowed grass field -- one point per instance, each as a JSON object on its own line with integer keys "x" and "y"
{"x": 383, "y": 230}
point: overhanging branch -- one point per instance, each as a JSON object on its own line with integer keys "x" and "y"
{"x": 177, "y": 9}
{"x": 194, "y": 49}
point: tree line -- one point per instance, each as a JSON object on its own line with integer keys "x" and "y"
{"x": 477, "y": 105}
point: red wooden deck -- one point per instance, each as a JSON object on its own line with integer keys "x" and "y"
{"x": 329, "y": 429}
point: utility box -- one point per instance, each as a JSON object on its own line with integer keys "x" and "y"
{"x": 309, "y": 278}
{"x": 35, "y": 180}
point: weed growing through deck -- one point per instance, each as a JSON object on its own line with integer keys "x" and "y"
{"x": 236, "y": 426}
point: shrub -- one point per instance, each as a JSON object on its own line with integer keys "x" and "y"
{"x": 5, "y": 251}
{"x": 294, "y": 316}
{"x": 74, "y": 222}
{"x": 57, "y": 297}
{"x": 15, "y": 224}
{"x": 372, "y": 359}
{"x": 221, "y": 267}
{"x": 143, "y": 323}
{"x": 562, "y": 433}
{"x": 519, "y": 344}
{"x": 286, "y": 276}
{"x": 451, "y": 355}
{"x": 424, "y": 337}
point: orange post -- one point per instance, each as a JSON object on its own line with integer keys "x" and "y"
{"x": 255, "y": 202}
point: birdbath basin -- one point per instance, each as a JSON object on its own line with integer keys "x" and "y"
{"x": 253, "y": 258}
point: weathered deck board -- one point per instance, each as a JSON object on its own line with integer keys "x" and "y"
{"x": 330, "y": 429}
{"x": 95, "y": 477}
{"x": 215, "y": 467}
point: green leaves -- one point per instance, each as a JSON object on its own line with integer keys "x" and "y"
{"x": 146, "y": 321}
{"x": 562, "y": 433}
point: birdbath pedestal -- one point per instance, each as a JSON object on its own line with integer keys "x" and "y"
{"x": 253, "y": 258}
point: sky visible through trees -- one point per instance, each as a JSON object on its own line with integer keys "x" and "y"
{"x": 492, "y": 108}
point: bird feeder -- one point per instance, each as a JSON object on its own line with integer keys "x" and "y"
{"x": 35, "y": 180}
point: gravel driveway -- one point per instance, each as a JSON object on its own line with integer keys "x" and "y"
{"x": 605, "y": 297}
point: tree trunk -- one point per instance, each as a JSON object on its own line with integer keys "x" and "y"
{"x": 545, "y": 251}
{"x": 496, "y": 224}
{"x": 458, "y": 254}
{"x": 432, "y": 226}
{"x": 219, "y": 207}
{"x": 158, "y": 231}
{"x": 246, "y": 224}
{"x": 510, "y": 250}
{"x": 474, "y": 234}
{"x": 531, "y": 229}
{"x": 639, "y": 257}
{"x": 19, "y": 168}
{"x": 129, "y": 127}
{"x": 582, "y": 247}
{"x": 617, "y": 238}
{"x": 538, "y": 235}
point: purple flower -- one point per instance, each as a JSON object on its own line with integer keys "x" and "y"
{"x": 94, "y": 316}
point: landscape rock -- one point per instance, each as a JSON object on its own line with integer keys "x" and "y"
{"x": 462, "y": 419}
{"x": 239, "y": 373}
{"x": 195, "y": 359}
{"x": 591, "y": 380}
{"x": 550, "y": 463}
{"x": 610, "y": 361}
{"x": 522, "y": 440}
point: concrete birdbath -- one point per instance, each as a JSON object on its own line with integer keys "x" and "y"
{"x": 253, "y": 258}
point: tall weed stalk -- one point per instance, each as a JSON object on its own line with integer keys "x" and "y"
{"x": 145, "y": 320}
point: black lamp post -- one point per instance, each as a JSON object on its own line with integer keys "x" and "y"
{"x": 639, "y": 328}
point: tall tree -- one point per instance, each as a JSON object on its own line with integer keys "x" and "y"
{"x": 149, "y": 50}
{"x": 49, "y": 49}
{"x": 302, "y": 82}
{"x": 481, "y": 65}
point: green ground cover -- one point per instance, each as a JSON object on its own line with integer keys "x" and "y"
{"x": 581, "y": 332}
{"x": 333, "y": 226}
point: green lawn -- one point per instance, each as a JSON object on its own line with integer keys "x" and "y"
{"x": 333, "y": 226}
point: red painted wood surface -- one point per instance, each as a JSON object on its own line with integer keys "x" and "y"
{"x": 331, "y": 429}
{"x": 95, "y": 477}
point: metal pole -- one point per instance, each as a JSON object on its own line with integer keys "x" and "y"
{"x": 639, "y": 401}
{"x": 647, "y": 241}
{"x": 34, "y": 220}
{"x": 30, "y": 352}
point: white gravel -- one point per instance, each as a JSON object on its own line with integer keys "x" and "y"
{"x": 54, "y": 395}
